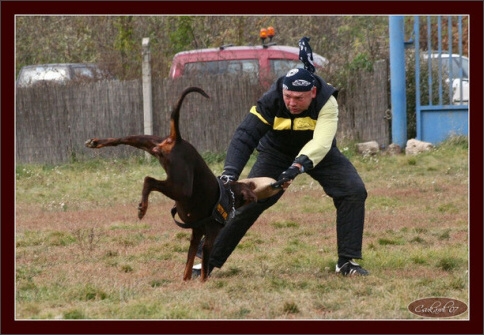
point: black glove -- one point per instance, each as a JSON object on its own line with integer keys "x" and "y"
{"x": 289, "y": 174}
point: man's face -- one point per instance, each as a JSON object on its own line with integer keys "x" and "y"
{"x": 298, "y": 102}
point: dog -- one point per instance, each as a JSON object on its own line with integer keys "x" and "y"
{"x": 203, "y": 202}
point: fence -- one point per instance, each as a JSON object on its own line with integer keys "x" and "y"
{"x": 364, "y": 107}
{"x": 53, "y": 122}
{"x": 436, "y": 121}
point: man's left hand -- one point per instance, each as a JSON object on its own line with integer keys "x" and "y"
{"x": 288, "y": 176}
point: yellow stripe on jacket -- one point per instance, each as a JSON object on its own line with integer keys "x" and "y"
{"x": 324, "y": 129}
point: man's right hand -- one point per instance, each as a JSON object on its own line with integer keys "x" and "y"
{"x": 291, "y": 173}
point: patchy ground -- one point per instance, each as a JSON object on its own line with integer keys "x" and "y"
{"x": 93, "y": 259}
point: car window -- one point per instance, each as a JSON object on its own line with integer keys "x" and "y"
{"x": 201, "y": 68}
{"x": 83, "y": 72}
{"x": 460, "y": 63}
{"x": 242, "y": 66}
{"x": 222, "y": 66}
{"x": 280, "y": 67}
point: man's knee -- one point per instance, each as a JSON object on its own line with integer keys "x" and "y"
{"x": 357, "y": 188}
{"x": 361, "y": 193}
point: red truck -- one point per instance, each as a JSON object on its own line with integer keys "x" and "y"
{"x": 264, "y": 62}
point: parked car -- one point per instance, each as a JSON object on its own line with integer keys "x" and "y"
{"x": 456, "y": 68}
{"x": 59, "y": 73}
{"x": 263, "y": 62}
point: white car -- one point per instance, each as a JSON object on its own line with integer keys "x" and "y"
{"x": 59, "y": 73}
{"x": 459, "y": 75}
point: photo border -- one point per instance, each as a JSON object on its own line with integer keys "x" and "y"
{"x": 11, "y": 8}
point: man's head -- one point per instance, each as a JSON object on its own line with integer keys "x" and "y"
{"x": 298, "y": 80}
{"x": 298, "y": 90}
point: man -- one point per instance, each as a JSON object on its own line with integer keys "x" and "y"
{"x": 293, "y": 128}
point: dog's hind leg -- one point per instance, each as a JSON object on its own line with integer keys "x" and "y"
{"x": 143, "y": 142}
{"x": 211, "y": 232}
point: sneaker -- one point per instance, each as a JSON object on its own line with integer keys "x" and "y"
{"x": 197, "y": 270}
{"x": 351, "y": 268}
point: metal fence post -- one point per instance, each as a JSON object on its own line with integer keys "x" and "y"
{"x": 397, "y": 81}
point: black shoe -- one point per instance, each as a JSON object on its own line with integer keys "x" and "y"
{"x": 351, "y": 268}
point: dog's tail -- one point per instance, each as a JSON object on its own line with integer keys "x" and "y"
{"x": 175, "y": 114}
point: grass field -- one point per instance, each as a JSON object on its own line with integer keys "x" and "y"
{"x": 82, "y": 253}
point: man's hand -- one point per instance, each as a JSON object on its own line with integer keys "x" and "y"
{"x": 286, "y": 178}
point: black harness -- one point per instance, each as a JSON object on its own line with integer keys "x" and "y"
{"x": 223, "y": 210}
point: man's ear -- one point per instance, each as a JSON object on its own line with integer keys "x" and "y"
{"x": 313, "y": 92}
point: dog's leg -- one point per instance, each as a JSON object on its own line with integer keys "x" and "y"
{"x": 144, "y": 142}
{"x": 167, "y": 187}
{"x": 211, "y": 232}
{"x": 150, "y": 184}
{"x": 192, "y": 252}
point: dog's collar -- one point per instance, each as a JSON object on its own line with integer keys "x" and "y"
{"x": 223, "y": 210}
{"x": 225, "y": 207}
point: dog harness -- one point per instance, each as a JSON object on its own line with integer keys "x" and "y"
{"x": 223, "y": 210}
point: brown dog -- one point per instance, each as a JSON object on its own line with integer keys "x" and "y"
{"x": 203, "y": 202}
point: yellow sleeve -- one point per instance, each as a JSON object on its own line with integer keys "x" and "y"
{"x": 324, "y": 132}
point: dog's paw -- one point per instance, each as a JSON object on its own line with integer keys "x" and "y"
{"x": 142, "y": 208}
{"x": 91, "y": 143}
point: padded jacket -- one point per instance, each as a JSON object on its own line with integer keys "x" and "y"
{"x": 304, "y": 138}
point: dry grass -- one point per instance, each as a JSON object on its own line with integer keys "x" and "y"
{"x": 80, "y": 256}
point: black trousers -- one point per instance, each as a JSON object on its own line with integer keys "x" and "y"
{"x": 339, "y": 180}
